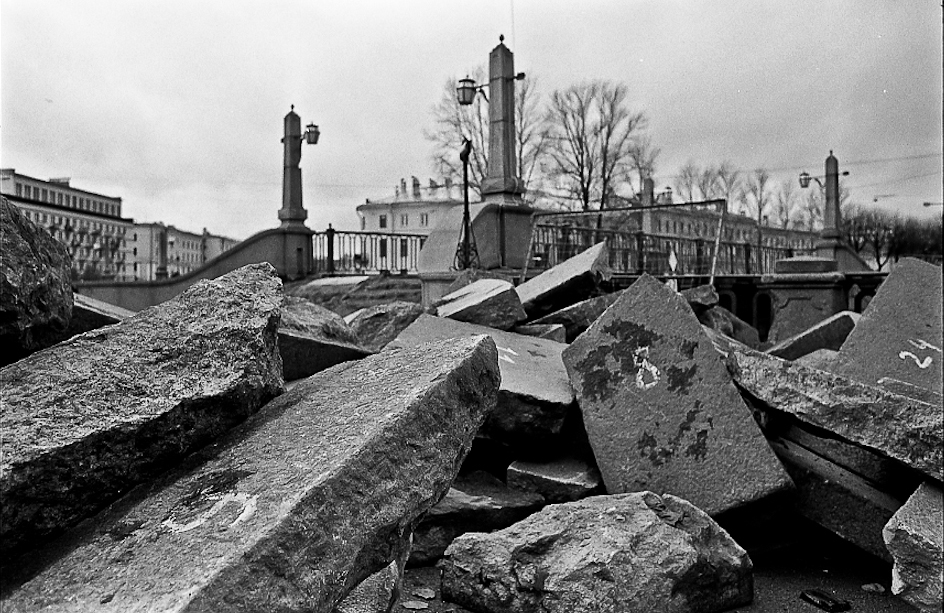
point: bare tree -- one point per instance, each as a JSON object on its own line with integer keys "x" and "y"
{"x": 784, "y": 205}
{"x": 687, "y": 181}
{"x": 643, "y": 160}
{"x": 758, "y": 199}
{"x": 592, "y": 138}
{"x": 730, "y": 183}
{"x": 530, "y": 129}
{"x": 708, "y": 182}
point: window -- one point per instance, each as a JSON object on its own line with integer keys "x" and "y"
{"x": 29, "y": 191}
{"x": 424, "y": 219}
{"x": 382, "y": 222}
{"x": 404, "y": 221}
{"x": 134, "y": 252}
{"x": 45, "y": 195}
{"x": 59, "y": 198}
{"x": 19, "y": 189}
{"x": 363, "y": 223}
{"x": 134, "y": 237}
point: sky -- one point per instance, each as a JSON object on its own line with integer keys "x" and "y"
{"x": 176, "y": 106}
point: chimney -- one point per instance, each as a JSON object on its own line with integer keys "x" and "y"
{"x": 416, "y": 188}
{"x": 403, "y": 191}
{"x": 648, "y": 191}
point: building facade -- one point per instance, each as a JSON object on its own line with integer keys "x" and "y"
{"x": 159, "y": 251}
{"x": 90, "y": 225}
{"x": 416, "y": 210}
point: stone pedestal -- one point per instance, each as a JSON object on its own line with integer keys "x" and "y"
{"x": 804, "y": 292}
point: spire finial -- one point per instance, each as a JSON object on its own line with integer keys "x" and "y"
{"x": 501, "y": 38}
{"x": 293, "y": 108}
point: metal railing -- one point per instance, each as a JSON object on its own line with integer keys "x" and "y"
{"x": 636, "y": 252}
{"x": 342, "y": 252}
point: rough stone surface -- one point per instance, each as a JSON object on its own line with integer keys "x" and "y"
{"x": 608, "y": 554}
{"x": 35, "y": 291}
{"x": 476, "y": 503}
{"x": 487, "y": 302}
{"x": 900, "y": 333}
{"x": 294, "y": 508}
{"x": 378, "y": 325}
{"x": 378, "y": 592}
{"x": 660, "y": 409}
{"x": 552, "y": 332}
{"x": 570, "y": 281}
{"x": 827, "y": 334}
{"x": 562, "y": 480}
{"x": 87, "y": 419}
{"x": 312, "y": 338}
{"x": 700, "y": 298}
{"x": 915, "y": 538}
{"x": 535, "y": 393}
{"x": 899, "y": 427}
{"x": 577, "y": 317}
{"x": 821, "y": 359}
{"x": 91, "y": 314}
{"x": 727, "y": 323}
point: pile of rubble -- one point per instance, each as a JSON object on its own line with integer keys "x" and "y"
{"x": 545, "y": 447}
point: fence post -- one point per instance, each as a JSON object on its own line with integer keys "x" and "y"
{"x": 699, "y": 256}
{"x": 329, "y": 237}
{"x": 640, "y": 253}
{"x": 747, "y": 258}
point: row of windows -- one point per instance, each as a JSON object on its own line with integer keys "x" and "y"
{"x": 63, "y": 199}
{"x": 404, "y": 221}
{"x": 53, "y": 221}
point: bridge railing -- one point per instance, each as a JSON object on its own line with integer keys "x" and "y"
{"x": 637, "y": 252}
{"x": 343, "y": 252}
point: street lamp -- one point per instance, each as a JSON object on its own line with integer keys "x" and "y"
{"x": 467, "y": 254}
{"x": 311, "y": 134}
{"x": 467, "y": 89}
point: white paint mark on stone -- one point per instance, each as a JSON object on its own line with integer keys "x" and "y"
{"x": 644, "y": 366}
{"x": 923, "y": 344}
{"x": 249, "y": 507}
{"x": 922, "y": 364}
{"x": 511, "y": 351}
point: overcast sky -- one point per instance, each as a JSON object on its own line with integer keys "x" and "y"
{"x": 177, "y": 106}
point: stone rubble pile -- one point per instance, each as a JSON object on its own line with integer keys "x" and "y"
{"x": 549, "y": 447}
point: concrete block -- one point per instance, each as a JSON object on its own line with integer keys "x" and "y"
{"x": 562, "y": 480}
{"x": 660, "y": 409}
{"x": 376, "y": 326}
{"x": 577, "y": 317}
{"x": 486, "y": 302}
{"x": 312, "y": 338}
{"x": 570, "y": 281}
{"x": 294, "y": 508}
{"x": 552, "y": 332}
{"x": 915, "y": 538}
{"x": 827, "y": 334}
{"x": 91, "y": 314}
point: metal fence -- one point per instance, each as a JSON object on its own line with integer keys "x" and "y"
{"x": 636, "y": 252}
{"x": 341, "y": 252}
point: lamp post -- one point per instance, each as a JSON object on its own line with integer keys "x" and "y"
{"x": 293, "y": 214}
{"x": 467, "y": 255}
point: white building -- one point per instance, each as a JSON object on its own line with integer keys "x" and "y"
{"x": 185, "y": 251}
{"x": 411, "y": 211}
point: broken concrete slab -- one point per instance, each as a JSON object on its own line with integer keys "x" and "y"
{"x": 91, "y": 314}
{"x": 915, "y": 538}
{"x": 561, "y": 480}
{"x": 827, "y": 334}
{"x": 375, "y": 326}
{"x": 552, "y": 332}
{"x": 312, "y": 338}
{"x": 577, "y": 317}
{"x": 627, "y": 552}
{"x": 899, "y": 427}
{"x": 535, "y": 395}
{"x": 35, "y": 287}
{"x": 660, "y": 409}
{"x": 294, "y": 508}
{"x": 476, "y": 503}
{"x": 486, "y": 302}
{"x": 575, "y": 279}
{"x": 701, "y": 298}
{"x": 900, "y": 333}
{"x": 821, "y": 359}
{"x": 727, "y": 323}
{"x": 87, "y": 419}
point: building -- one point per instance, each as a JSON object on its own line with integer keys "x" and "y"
{"x": 159, "y": 250}
{"x": 413, "y": 211}
{"x": 90, "y": 225}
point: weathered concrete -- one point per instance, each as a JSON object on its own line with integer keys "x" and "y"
{"x": 899, "y": 427}
{"x": 563, "y": 480}
{"x": 87, "y": 419}
{"x": 803, "y": 299}
{"x": 535, "y": 394}
{"x": 915, "y": 538}
{"x": 570, "y": 281}
{"x": 312, "y": 338}
{"x": 609, "y": 554}
{"x": 476, "y": 503}
{"x": 661, "y": 411}
{"x": 91, "y": 314}
{"x": 295, "y": 507}
{"x": 727, "y": 323}
{"x": 35, "y": 293}
{"x": 701, "y": 298}
{"x": 577, "y": 317}
{"x": 900, "y": 333}
{"x": 827, "y": 334}
{"x": 378, "y": 325}
{"x": 821, "y": 359}
{"x": 487, "y": 302}
{"x": 552, "y": 332}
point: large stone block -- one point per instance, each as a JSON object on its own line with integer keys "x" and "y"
{"x": 915, "y": 538}
{"x": 35, "y": 287}
{"x": 294, "y": 508}
{"x": 570, "y": 281}
{"x": 91, "y": 314}
{"x": 609, "y": 554}
{"x": 577, "y": 317}
{"x": 476, "y": 503}
{"x": 561, "y": 480}
{"x": 828, "y": 334}
{"x": 312, "y": 338}
{"x": 535, "y": 394}
{"x": 487, "y": 302}
{"x": 724, "y": 321}
{"x": 376, "y": 326}
{"x": 87, "y": 419}
{"x": 900, "y": 333}
{"x": 660, "y": 409}
{"x": 899, "y": 427}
